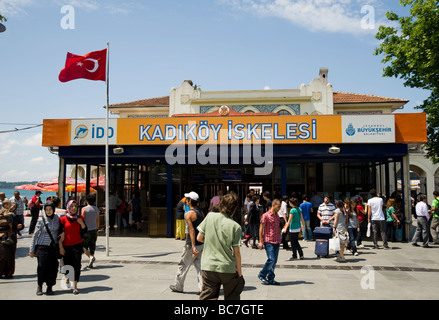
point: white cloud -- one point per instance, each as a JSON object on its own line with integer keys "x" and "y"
{"x": 15, "y": 175}
{"x": 343, "y": 16}
{"x": 23, "y": 158}
{"x": 38, "y": 160}
{"x": 33, "y": 141}
{"x": 14, "y": 7}
{"x": 10, "y": 8}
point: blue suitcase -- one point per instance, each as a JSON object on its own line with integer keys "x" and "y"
{"x": 322, "y": 236}
{"x": 322, "y": 248}
{"x": 323, "y": 233}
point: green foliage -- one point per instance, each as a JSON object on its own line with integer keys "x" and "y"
{"x": 411, "y": 53}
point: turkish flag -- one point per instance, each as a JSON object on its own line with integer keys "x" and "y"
{"x": 92, "y": 66}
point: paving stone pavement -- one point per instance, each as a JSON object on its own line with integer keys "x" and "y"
{"x": 142, "y": 268}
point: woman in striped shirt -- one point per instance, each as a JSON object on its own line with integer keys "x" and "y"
{"x": 41, "y": 247}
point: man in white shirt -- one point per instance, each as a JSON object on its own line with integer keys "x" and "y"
{"x": 376, "y": 217}
{"x": 326, "y": 213}
{"x": 18, "y": 209}
{"x": 422, "y": 226}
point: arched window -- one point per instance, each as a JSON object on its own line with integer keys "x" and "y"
{"x": 284, "y": 113}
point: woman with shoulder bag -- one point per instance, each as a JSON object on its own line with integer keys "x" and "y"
{"x": 44, "y": 249}
{"x": 71, "y": 247}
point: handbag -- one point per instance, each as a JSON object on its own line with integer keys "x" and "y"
{"x": 54, "y": 244}
{"x": 343, "y": 235}
{"x": 334, "y": 244}
{"x": 368, "y": 230}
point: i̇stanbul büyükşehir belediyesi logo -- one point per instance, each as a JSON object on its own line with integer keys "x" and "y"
{"x": 371, "y": 129}
{"x": 81, "y": 131}
{"x": 350, "y": 130}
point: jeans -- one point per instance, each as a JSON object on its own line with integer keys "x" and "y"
{"x": 381, "y": 225}
{"x": 272, "y": 250}
{"x": 353, "y": 232}
{"x": 390, "y": 230}
{"x": 307, "y": 229}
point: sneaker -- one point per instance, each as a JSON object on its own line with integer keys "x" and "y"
{"x": 355, "y": 253}
{"x": 174, "y": 289}
{"x": 302, "y": 258}
{"x": 273, "y": 282}
{"x": 263, "y": 280}
{"x": 90, "y": 264}
{"x": 39, "y": 291}
{"x": 387, "y": 248}
{"x": 361, "y": 246}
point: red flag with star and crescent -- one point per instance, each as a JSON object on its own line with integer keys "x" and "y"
{"x": 91, "y": 66}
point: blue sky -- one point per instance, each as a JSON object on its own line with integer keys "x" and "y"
{"x": 156, "y": 44}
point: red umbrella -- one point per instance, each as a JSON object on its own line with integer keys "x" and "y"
{"x": 94, "y": 181}
{"x": 29, "y": 187}
{"x": 54, "y": 181}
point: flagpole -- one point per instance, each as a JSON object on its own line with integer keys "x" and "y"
{"x": 107, "y": 163}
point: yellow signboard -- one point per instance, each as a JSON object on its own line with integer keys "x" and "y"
{"x": 246, "y": 129}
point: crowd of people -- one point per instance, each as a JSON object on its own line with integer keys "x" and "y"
{"x": 59, "y": 237}
{"x": 212, "y": 240}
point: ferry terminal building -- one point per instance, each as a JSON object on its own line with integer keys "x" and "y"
{"x": 305, "y": 140}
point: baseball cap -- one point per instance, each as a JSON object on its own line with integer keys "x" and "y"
{"x": 192, "y": 195}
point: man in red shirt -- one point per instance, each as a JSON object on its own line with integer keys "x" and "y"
{"x": 270, "y": 236}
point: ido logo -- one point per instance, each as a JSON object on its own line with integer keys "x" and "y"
{"x": 81, "y": 131}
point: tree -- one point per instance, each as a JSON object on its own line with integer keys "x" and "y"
{"x": 411, "y": 52}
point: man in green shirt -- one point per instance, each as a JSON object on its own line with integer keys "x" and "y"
{"x": 435, "y": 220}
{"x": 221, "y": 259}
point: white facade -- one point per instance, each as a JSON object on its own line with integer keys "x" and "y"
{"x": 314, "y": 98}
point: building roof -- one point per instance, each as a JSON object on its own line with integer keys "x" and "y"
{"x": 338, "y": 97}
{"x": 347, "y": 97}
{"x": 159, "y": 101}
